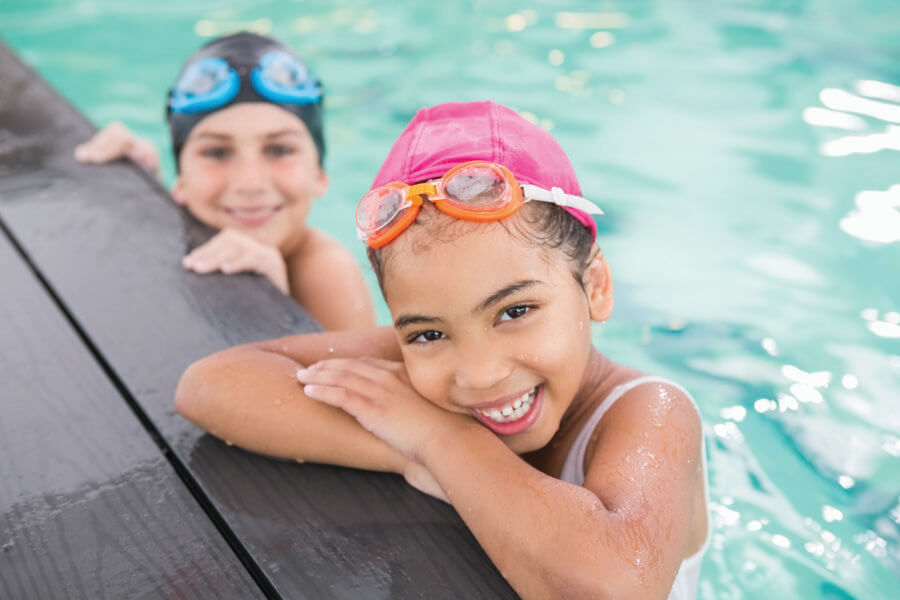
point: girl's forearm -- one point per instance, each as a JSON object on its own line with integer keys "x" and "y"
{"x": 251, "y": 398}
{"x": 549, "y": 538}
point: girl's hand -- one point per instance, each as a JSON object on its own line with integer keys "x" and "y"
{"x": 378, "y": 394}
{"x": 232, "y": 251}
{"x": 116, "y": 141}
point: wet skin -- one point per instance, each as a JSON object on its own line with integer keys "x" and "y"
{"x": 251, "y": 167}
{"x": 486, "y": 317}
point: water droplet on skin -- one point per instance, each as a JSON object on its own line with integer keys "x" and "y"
{"x": 229, "y": 442}
{"x": 331, "y": 350}
{"x": 300, "y": 460}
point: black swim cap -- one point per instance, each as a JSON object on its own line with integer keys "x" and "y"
{"x": 242, "y": 51}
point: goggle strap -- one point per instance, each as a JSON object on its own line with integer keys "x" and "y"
{"x": 556, "y": 196}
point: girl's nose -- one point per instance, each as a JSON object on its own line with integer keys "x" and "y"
{"x": 480, "y": 369}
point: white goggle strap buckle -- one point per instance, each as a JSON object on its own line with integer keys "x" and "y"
{"x": 556, "y": 196}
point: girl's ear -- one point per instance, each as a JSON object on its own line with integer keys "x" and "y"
{"x": 178, "y": 192}
{"x": 598, "y": 287}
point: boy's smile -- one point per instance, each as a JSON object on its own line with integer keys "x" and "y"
{"x": 251, "y": 167}
{"x": 490, "y": 326}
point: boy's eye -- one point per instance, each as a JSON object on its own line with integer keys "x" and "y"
{"x": 514, "y": 312}
{"x": 279, "y": 150}
{"x": 425, "y": 337}
{"x": 216, "y": 153}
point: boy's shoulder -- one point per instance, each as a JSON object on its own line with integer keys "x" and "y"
{"x": 328, "y": 281}
{"x": 320, "y": 253}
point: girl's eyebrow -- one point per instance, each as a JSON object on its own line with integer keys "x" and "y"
{"x": 504, "y": 292}
{"x": 406, "y": 320}
{"x": 499, "y": 295}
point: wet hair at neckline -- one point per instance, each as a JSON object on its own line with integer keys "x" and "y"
{"x": 545, "y": 225}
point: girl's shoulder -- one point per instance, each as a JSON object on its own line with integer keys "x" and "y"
{"x": 623, "y": 408}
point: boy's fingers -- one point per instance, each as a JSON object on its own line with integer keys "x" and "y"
{"x": 144, "y": 154}
{"x": 108, "y": 145}
{"x": 213, "y": 252}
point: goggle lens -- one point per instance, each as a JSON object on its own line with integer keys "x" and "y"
{"x": 282, "y": 69}
{"x": 478, "y": 187}
{"x": 203, "y": 77}
{"x": 379, "y": 208}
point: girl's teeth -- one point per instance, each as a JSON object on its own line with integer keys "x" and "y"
{"x": 513, "y": 412}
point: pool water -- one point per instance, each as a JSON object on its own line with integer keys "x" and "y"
{"x": 746, "y": 154}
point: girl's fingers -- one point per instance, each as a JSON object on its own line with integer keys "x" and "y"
{"x": 375, "y": 371}
{"x": 338, "y": 397}
{"x": 394, "y": 366}
{"x": 347, "y": 379}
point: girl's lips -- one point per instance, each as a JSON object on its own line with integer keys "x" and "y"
{"x": 519, "y": 425}
{"x": 252, "y": 217}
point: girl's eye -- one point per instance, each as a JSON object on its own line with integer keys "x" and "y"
{"x": 426, "y": 337}
{"x": 514, "y": 312}
{"x": 216, "y": 153}
{"x": 279, "y": 150}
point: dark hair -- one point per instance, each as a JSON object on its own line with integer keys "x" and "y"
{"x": 546, "y": 225}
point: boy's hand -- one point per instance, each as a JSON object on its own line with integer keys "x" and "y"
{"x": 378, "y": 394}
{"x": 232, "y": 251}
{"x": 116, "y": 141}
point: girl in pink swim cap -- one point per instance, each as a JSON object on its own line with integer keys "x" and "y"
{"x": 580, "y": 477}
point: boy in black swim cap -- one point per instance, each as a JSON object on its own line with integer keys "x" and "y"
{"x": 245, "y": 116}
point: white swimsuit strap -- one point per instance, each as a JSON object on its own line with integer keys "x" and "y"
{"x": 573, "y": 472}
{"x": 573, "y": 469}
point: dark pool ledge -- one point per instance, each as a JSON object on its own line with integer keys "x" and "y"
{"x": 105, "y": 491}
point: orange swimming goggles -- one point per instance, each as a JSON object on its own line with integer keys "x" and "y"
{"x": 472, "y": 191}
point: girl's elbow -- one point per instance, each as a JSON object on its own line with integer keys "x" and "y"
{"x": 189, "y": 392}
{"x": 608, "y": 580}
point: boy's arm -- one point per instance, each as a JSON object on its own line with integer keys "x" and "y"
{"x": 116, "y": 141}
{"x": 249, "y": 396}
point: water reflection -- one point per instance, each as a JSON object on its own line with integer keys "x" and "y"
{"x": 877, "y": 214}
{"x": 875, "y": 100}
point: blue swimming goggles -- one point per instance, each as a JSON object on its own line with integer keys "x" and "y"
{"x": 211, "y": 83}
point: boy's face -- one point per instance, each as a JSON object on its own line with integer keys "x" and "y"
{"x": 251, "y": 167}
{"x": 492, "y": 327}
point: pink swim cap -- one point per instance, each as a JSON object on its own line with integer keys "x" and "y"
{"x": 443, "y": 136}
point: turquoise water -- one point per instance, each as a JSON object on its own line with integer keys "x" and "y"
{"x": 745, "y": 154}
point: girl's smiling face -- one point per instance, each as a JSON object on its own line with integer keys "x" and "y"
{"x": 252, "y": 167}
{"x": 492, "y": 326}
